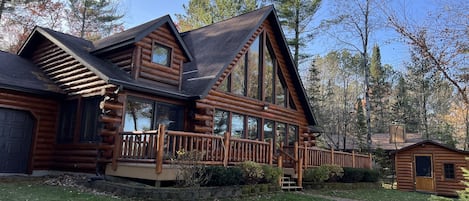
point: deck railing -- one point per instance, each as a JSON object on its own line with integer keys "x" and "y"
{"x": 161, "y": 146}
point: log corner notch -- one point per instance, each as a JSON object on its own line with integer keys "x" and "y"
{"x": 112, "y": 109}
{"x": 203, "y": 118}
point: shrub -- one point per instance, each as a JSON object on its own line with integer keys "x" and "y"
{"x": 335, "y": 172}
{"x": 252, "y": 172}
{"x": 223, "y": 176}
{"x": 316, "y": 174}
{"x": 352, "y": 175}
{"x": 370, "y": 175}
{"x": 271, "y": 174}
{"x": 190, "y": 172}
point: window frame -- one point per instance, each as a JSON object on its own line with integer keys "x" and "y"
{"x": 447, "y": 173}
{"x": 169, "y": 56}
{"x": 154, "y": 115}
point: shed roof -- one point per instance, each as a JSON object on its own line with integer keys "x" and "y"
{"x": 425, "y": 142}
{"x": 21, "y": 74}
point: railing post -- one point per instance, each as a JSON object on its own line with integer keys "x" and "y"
{"x": 296, "y": 151}
{"x": 371, "y": 161}
{"x": 353, "y": 158}
{"x": 306, "y": 156}
{"x": 160, "y": 149}
{"x": 332, "y": 156}
{"x": 226, "y": 143}
{"x": 117, "y": 151}
{"x": 300, "y": 172}
{"x": 271, "y": 152}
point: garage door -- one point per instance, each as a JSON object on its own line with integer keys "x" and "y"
{"x": 16, "y": 129}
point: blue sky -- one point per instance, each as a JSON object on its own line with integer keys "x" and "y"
{"x": 393, "y": 51}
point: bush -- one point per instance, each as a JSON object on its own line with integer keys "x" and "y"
{"x": 352, "y": 175}
{"x": 370, "y": 175}
{"x": 252, "y": 172}
{"x": 316, "y": 174}
{"x": 335, "y": 172}
{"x": 271, "y": 174}
{"x": 223, "y": 176}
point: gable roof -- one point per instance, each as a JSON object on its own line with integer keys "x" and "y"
{"x": 21, "y": 74}
{"x": 433, "y": 143}
{"x": 216, "y": 45}
{"x": 210, "y": 50}
{"x": 79, "y": 48}
{"x": 135, "y": 34}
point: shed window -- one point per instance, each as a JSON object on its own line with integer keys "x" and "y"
{"x": 161, "y": 54}
{"x": 449, "y": 170}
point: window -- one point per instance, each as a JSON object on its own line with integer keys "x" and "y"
{"x": 292, "y": 135}
{"x": 89, "y": 120}
{"x": 268, "y": 76}
{"x": 221, "y": 122}
{"x": 161, "y": 54}
{"x": 449, "y": 170}
{"x": 68, "y": 113}
{"x": 257, "y": 75}
{"x": 143, "y": 114}
{"x": 423, "y": 166}
{"x": 86, "y": 127}
{"x": 239, "y": 86}
{"x": 237, "y": 126}
{"x": 253, "y": 128}
{"x": 268, "y": 130}
{"x": 253, "y": 70}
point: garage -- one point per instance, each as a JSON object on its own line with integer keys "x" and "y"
{"x": 16, "y": 130}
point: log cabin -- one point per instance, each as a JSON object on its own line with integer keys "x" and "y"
{"x": 125, "y": 104}
{"x": 431, "y": 167}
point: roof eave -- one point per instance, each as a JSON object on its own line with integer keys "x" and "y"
{"x": 151, "y": 90}
{"x": 39, "y": 92}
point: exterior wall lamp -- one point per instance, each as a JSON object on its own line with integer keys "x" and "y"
{"x": 266, "y": 107}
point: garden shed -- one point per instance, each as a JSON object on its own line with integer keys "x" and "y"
{"x": 429, "y": 166}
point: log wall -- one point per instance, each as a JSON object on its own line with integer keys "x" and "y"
{"x": 45, "y": 111}
{"x": 122, "y": 58}
{"x": 77, "y": 81}
{"x": 217, "y": 99}
{"x": 156, "y": 73}
{"x": 405, "y": 170}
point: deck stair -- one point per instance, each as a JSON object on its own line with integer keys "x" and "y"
{"x": 288, "y": 184}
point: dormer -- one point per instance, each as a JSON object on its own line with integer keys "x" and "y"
{"x": 152, "y": 53}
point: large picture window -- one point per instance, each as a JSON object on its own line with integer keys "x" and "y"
{"x": 89, "y": 120}
{"x": 257, "y": 75}
{"x": 143, "y": 114}
{"x": 249, "y": 127}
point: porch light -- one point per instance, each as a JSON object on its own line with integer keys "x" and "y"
{"x": 266, "y": 107}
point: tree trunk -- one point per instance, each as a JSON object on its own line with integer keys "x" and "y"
{"x": 2, "y": 7}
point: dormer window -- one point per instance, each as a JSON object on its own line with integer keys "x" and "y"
{"x": 161, "y": 54}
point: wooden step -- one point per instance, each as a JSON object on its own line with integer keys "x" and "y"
{"x": 288, "y": 185}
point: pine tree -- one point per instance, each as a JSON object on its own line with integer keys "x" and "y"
{"x": 360, "y": 124}
{"x": 296, "y": 16}
{"x": 379, "y": 96}
{"x": 94, "y": 19}
{"x": 199, "y": 13}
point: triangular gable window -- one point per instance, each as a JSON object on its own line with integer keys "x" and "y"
{"x": 258, "y": 69}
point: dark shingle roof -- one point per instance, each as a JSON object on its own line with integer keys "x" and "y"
{"x": 21, "y": 74}
{"x": 215, "y": 46}
{"x": 136, "y": 34}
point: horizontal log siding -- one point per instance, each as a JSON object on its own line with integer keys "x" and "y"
{"x": 252, "y": 107}
{"x": 122, "y": 58}
{"x": 76, "y": 80}
{"x": 405, "y": 168}
{"x": 152, "y": 72}
{"x": 68, "y": 73}
{"x": 45, "y": 112}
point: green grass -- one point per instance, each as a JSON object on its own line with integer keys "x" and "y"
{"x": 373, "y": 194}
{"x": 281, "y": 196}
{"x": 32, "y": 190}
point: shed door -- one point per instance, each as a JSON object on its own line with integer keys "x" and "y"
{"x": 424, "y": 173}
{"x": 16, "y": 129}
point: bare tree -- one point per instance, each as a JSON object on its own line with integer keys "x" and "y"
{"x": 442, "y": 39}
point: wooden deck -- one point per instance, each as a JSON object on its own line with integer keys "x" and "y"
{"x": 151, "y": 154}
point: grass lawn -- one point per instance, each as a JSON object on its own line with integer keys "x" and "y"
{"x": 373, "y": 194}
{"x": 30, "y": 188}
{"x": 13, "y": 189}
